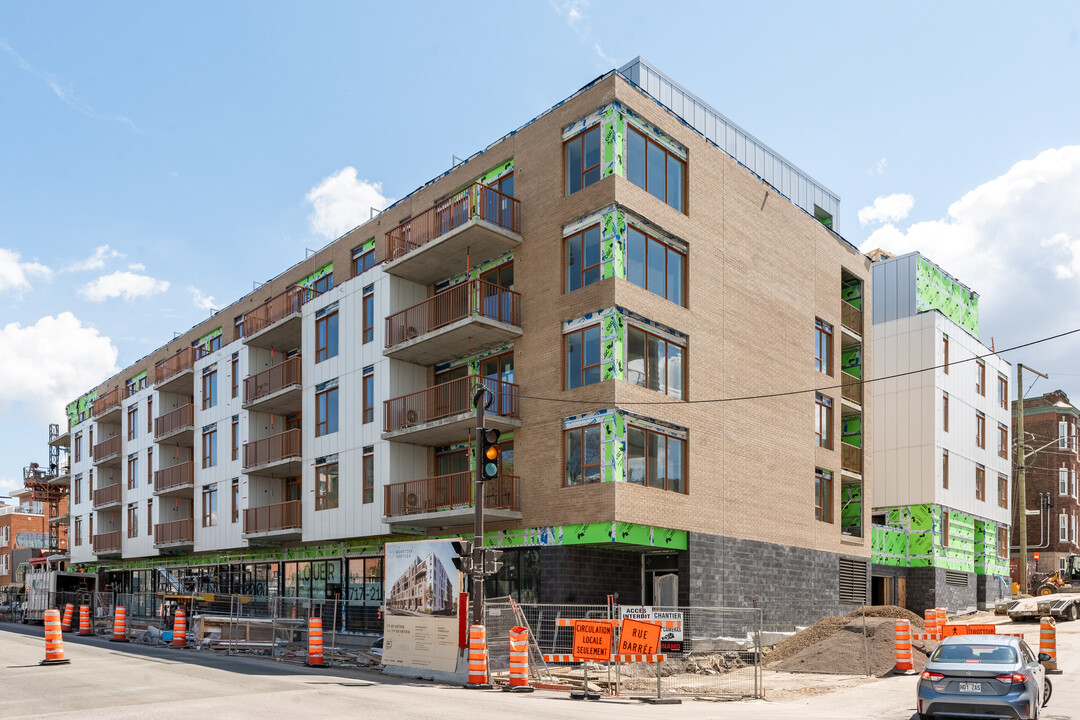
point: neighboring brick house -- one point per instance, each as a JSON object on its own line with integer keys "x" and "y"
{"x": 1050, "y": 430}
{"x": 22, "y": 531}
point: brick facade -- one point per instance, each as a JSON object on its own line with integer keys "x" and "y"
{"x": 11, "y": 524}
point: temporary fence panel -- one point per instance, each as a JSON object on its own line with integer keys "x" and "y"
{"x": 501, "y": 615}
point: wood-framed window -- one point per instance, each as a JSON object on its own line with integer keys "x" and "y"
{"x": 78, "y": 531}
{"x": 581, "y": 156}
{"x": 980, "y": 429}
{"x": 1003, "y": 392}
{"x": 235, "y": 500}
{"x": 1002, "y": 542}
{"x": 90, "y": 485}
{"x": 1003, "y": 441}
{"x": 362, "y": 260}
{"x": 133, "y": 520}
{"x": 133, "y": 422}
{"x": 209, "y": 447}
{"x": 369, "y": 474}
{"x": 945, "y": 411}
{"x": 90, "y": 445}
{"x": 77, "y": 447}
{"x": 369, "y": 395}
{"x": 823, "y": 494}
{"x": 581, "y": 258}
{"x": 1003, "y": 491}
{"x": 209, "y": 505}
{"x": 655, "y": 459}
{"x": 235, "y": 374}
{"x": 235, "y": 437}
{"x": 76, "y": 489}
{"x": 582, "y": 351}
{"x": 655, "y": 363}
{"x": 326, "y": 336}
{"x": 945, "y": 350}
{"x": 212, "y": 344}
{"x": 823, "y": 407}
{"x": 326, "y": 411}
{"x": 655, "y": 169}
{"x": 980, "y": 377}
{"x": 324, "y": 284}
{"x": 150, "y": 516}
{"x": 150, "y": 414}
{"x": 238, "y": 326}
{"x": 326, "y": 486}
{"x": 980, "y": 482}
{"x": 655, "y": 266}
{"x": 209, "y": 389}
{"x": 582, "y": 456}
{"x": 945, "y": 469}
{"x": 944, "y": 527}
{"x": 90, "y": 530}
{"x": 823, "y": 343}
{"x": 149, "y": 466}
{"x": 369, "y": 314}
{"x": 133, "y": 471}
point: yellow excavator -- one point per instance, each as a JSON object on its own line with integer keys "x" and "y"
{"x": 1067, "y": 580}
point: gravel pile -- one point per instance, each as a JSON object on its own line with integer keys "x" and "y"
{"x": 845, "y": 651}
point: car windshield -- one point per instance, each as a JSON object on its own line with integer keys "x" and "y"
{"x": 993, "y": 654}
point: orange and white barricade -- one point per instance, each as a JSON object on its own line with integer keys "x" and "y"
{"x": 903, "y": 647}
{"x": 119, "y": 630}
{"x": 942, "y": 621}
{"x": 519, "y": 660}
{"x": 930, "y": 622}
{"x": 179, "y": 629}
{"x": 478, "y": 669}
{"x": 84, "y": 620}
{"x": 54, "y": 640}
{"x": 1048, "y": 641}
{"x": 69, "y": 615}
{"x": 314, "y": 643}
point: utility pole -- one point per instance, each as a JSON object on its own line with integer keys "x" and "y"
{"x": 1021, "y": 482}
{"x": 478, "y": 512}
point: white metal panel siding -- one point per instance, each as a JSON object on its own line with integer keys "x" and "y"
{"x": 893, "y": 286}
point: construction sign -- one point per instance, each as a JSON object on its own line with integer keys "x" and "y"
{"x": 950, "y": 630}
{"x": 592, "y": 639}
{"x": 638, "y": 638}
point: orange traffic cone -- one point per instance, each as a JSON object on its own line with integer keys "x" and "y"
{"x": 519, "y": 660}
{"x": 478, "y": 676}
{"x": 84, "y": 620}
{"x": 179, "y": 629}
{"x": 54, "y": 641}
{"x": 119, "y": 630}
{"x": 314, "y": 646}
{"x": 69, "y": 615}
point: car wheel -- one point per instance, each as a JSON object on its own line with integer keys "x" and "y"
{"x": 1048, "y": 690}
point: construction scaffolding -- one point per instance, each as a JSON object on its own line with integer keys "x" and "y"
{"x": 42, "y": 482}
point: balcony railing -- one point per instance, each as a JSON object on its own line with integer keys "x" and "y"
{"x": 177, "y": 531}
{"x": 476, "y": 202}
{"x": 851, "y": 458}
{"x": 107, "y": 542}
{"x": 173, "y": 420}
{"x": 272, "y": 449}
{"x": 178, "y": 363}
{"x": 106, "y": 448}
{"x": 446, "y": 400}
{"x": 107, "y": 495}
{"x": 851, "y": 317}
{"x": 271, "y": 380}
{"x": 449, "y": 491}
{"x": 851, "y": 388}
{"x": 107, "y": 402}
{"x": 473, "y": 298}
{"x": 283, "y": 516}
{"x": 174, "y": 477}
{"x": 276, "y": 309}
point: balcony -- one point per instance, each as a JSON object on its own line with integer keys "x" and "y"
{"x": 851, "y": 318}
{"x": 443, "y": 414}
{"x": 447, "y": 500}
{"x": 108, "y": 408}
{"x": 107, "y": 452}
{"x": 107, "y": 543}
{"x": 108, "y": 496}
{"x": 62, "y": 477}
{"x": 461, "y": 319}
{"x": 175, "y": 480}
{"x": 276, "y": 456}
{"x": 177, "y": 427}
{"x": 277, "y": 390}
{"x": 274, "y": 522}
{"x": 63, "y": 439}
{"x": 478, "y": 223}
{"x": 850, "y": 458}
{"x": 277, "y": 322}
{"x": 851, "y": 391}
{"x": 177, "y": 373}
{"x": 175, "y": 534}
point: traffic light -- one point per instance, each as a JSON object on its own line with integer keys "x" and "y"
{"x": 463, "y": 560}
{"x": 490, "y": 454}
{"x": 491, "y": 561}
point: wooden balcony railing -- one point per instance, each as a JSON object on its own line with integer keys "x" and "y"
{"x": 106, "y": 448}
{"x": 475, "y": 297}
{"x": 447, "y": 399}
{"x": 283, "y": 516}
{"x": 851, "y": 317}
{"x": 178, "y": 363}
{"x": 474, "y": 202}
{"x": 106, "y": 495}
{"x": 449, "y": 491}
{"x": 107, "y": 542}
{"x": 851, "y": 458}
{"x": 175, "y": 476}
{"x": 276, "y": 447}
{"x": 271, "y": 380}
{"x": 107, "y": 402}
{"x": 181, "y": 417}
{"x": 276, "y": 309}
{"x": 175, "y": 531}
{"x": 851, "y": 388}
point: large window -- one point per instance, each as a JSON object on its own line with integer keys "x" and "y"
{"x": 980, "y": 482}
{"x": 823, "y": 496}
{"x": 1003, "y": 392}
{"x": 326, "y": 485}
{"x": 582, "y": 258}
{"x": 324, "y": 284}
{"x": 326, "y": 336}
{"x": 980, "y": 429}
{"x": 369, "y": 394}
{"x": 369, "y": 314}
{"x": 1063, "y": 435}
{"x": 209, "y": 505}
{"x": 133, "y": 422}
{"x": 235, "y": 500}
{"x": 76, "y": 491}
{"x": 77, "y": 447}
{"x": 78, "y": 531}
{"x": 945, "y": 469}
{"x": 369, "y": 474}
{"x": 823, "y": 346}
{"x": 235, "y": 372}
{"x": 133, "y": 471}
{"x": 655, "y": 266}
{"x": 582, "y": 455}
{"x": 654, "y": 363}
{"x": 235, "y": 447}
{"x": 651, "y": 167}
{"x": 1063, "y": 480}
{"x": 209, "y": 389}
{"x": 326, "y": 411}
{"x": 1003, "y": 491}
{"x": 980, "y": 377}
{"x": 823, "y": 420}
{"x": 1003, "y": 441}
{"x": 945, "y": 411}
{"x": 1002, "y": 542}
{"x": 132, "y": 520}
{"x": 209, "y": 447}
{"x": 582, "y": 158}
{"x": 582, "y": 351}
{"x": 1063, "y": 527}
{"x": 655, "y": 459}
{"x": 362, "y": 260}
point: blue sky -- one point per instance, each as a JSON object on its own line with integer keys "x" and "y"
{"x": 156, "y": 159}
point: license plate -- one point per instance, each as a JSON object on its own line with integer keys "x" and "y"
{"x": 970, "y": 687}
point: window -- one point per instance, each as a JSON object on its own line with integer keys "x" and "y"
{"x": 130, "y": 388}
{"x": 326, "y": 485}
{"x": 654, "y": 459}
{"x": 581, "y": 448}
{"x": 150, "y": 466}
{"x": 1003, "y": 491}
{"x": 369, "y": 474}
{"x": 980, "y": 377}
{"x": 90, "y": 530}
{"x": 1063, "y": 435}
{"x": 78, "y": 531}
{"x": 1003, "y": 392}
{"x": 326, "y": 409}
{"x": 326, "y": 336}
{"x": 150, "y": 516}
{"x": 133, "y": 422}
{"x": 238, "y": 325}
{"x": 1063, "y": 481}
{"x": 944, "y": 528}
{"x": 581, "y": 155}
{"x": 209, "y": 446}
{"x": 945, "y": 348}
{"x": 823, "y": 421}
{"x": 823, "y": 496}
{"x": 77, "y": 450}
{"x": 980, "y": 483}
{"x": 213, "y": 343}
{"x": 90, "y": 445}
{"x": 654, "y": 363}
{"x": 362, "y": 260}
{"x": 209, "y": 389}
{"x": 132, "y": 471}
{"x": 823, "y": 347}
{"x": 655, "y": 266}
{"x": 1002, "y": 542}
{"x": 1003, "y": 441}
{"x": 581, "y": 256}
{"x": 132, "y": 520}
{"x": 324, "y": 284}
{"x": 149, "y": 414}
{"x": 945, "y": 469}
{"x": 980, "y": 429}
{"x": 90, "y": 485}
{"x": 76, "y": 484}
{"x": 945, "y": 411}
{"x": 235, "y": 374}
{"x": 369, "y": 314}
{"x": 1063, "y": 527}
{"x": 369, "y": 394}
{"x": 651, "y": 167}
{"x": 582, "y": 350}
{"x": 209, "y": 505}
{"x": 235, "y": 502}
{"x": 235, "y": 437}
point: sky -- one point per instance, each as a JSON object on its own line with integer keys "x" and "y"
{"x": 158, "y": 159}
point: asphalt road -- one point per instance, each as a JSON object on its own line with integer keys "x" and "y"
{"x": 118, "y": 681}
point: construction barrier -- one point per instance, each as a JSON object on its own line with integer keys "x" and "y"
{"x": 930, "y": 622}
{"x": 903, "y": 647}
{"x": 1048, "y": 641}
{"x": 519, "y": 660}
{"x": 478, "y": 672}
{"x": 119, "y": 631}
{"x": 315, "y": 653}
{"x": 84, "y": 620}
{"x": 179, "y": 638}
{"x": 54, "y": 640}
{"x": 69, "y": 614}
{"x": 942, "y": 620}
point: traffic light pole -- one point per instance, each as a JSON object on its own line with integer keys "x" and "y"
{"x": 1021, "y": 480}
{"x": 478, "y": 516}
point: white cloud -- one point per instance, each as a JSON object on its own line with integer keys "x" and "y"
{"x": 49, "y": 364}
{"x": 343, "y": 201}
{"x": 7, "y": 486}
{"x": 878, "y": 168}
{"x": 15, "y": 274}
{"x": 887, "y": 208}
{"x": 123, "y": 284}
{"x": 203, "y": 302}
{"x": 95, "y": 261}
{"x": 575, "y": 13}
{"x": 136, "y": 267}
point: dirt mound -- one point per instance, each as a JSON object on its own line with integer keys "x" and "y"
{"x": 888, "y": 611}
{"x": 844, "y": 650}
{"x": 792, "y": 646}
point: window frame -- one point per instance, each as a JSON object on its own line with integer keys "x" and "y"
{"x": 1003, "y": 441}
{"x": 235, "y": 364}
{"x": 823, "y": 486}
{"x": 668, "y": 157}
{"x": 599, "y": 365}
{"x": 368, "y": 474}
{"x": 149, "y": 466}
{"x": 600, "y": 455}
{"x": 599, "y": 266}
{"x": 1003, "y": 392}
{"x": 150, "y": 415}
{"x": 322, "y": 335}
{"x": 368, "y": 304}
{"x": 209, "y": 383}
{"x": 945, "y": 345}
{"x": 980, "y": 377}
{"x": 980, "y": 483}
{"x": 209, "y": 448}
{"x": 323, "y": 284}
{"x": 133, "y": 421}
{"x": 668, "y": 249}
{"x": 235, "y": 438}
{"x": 980, "y": 429}
{"x": 579, "y": 138}
{"x": 823, "y": 336}
{"x": 360, "y": 260}
{"x": 1063, "y": 481}
{"x": 322, "y": 418}
{"x": 133, "y": 520}
{"x": 133, "y": 471}
{"x": 666, "y": 363}
{"x": 209, "y": 505}
{"x": 368, "y": 396}
{"x": 1003, "y": 491}
{"x": 648, "y": 481}
{"x": 323, "y": 486}
{"x": 944, "y": 469}
{"x": 823, "y": 420}
{"x": 945, "y": 411}
{"x": 150, "y": 516}
{"x": 234, "y": 494}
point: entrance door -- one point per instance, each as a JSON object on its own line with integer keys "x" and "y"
{"x": 666, "y": 590}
